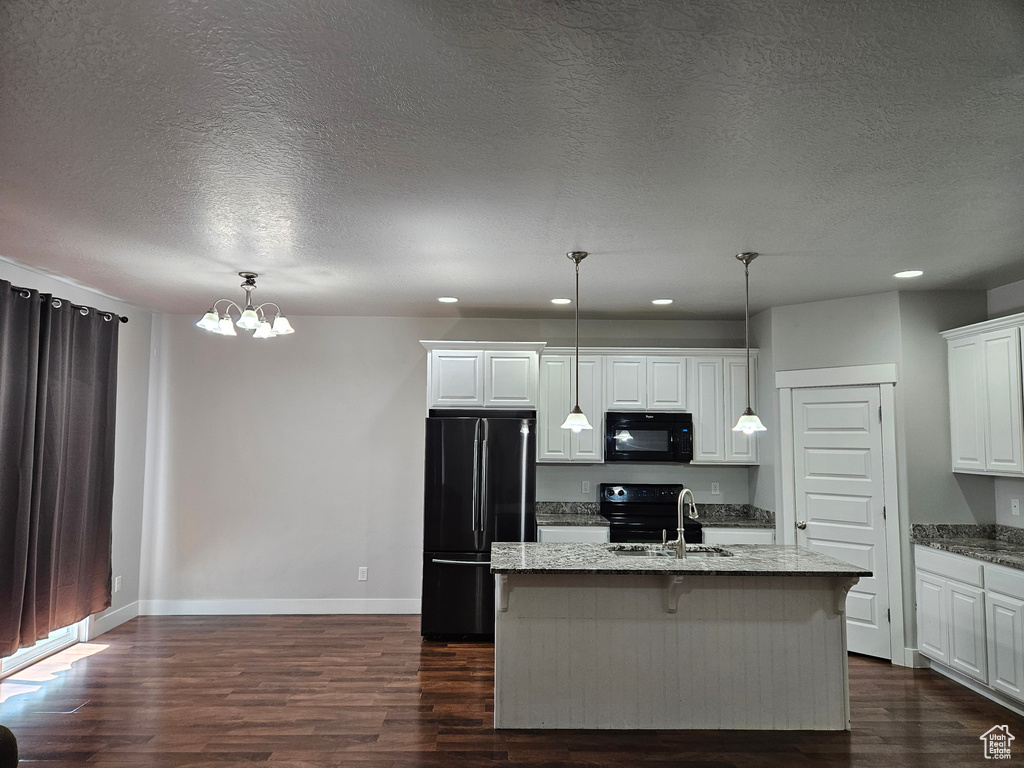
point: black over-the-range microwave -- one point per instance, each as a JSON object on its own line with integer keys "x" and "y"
{"x": 648, "y": 436}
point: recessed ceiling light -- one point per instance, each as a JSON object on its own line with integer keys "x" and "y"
{"x": 561, "y": 301}
{"x": 661, "y": 301}
{"x": 447, "y": 299}
{"x": 909, "y": 273}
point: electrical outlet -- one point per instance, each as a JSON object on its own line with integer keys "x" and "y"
{"x": 1015, "y": 507}
{"x": 362, "y": 573}
{"x": 585, "y": 486}
{"x": 117, "y": 581}
{"x": 716, "y": 489}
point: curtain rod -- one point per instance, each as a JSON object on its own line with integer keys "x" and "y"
{"x": 26, "y": 293}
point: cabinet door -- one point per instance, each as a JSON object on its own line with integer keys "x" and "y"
{"x": 738, "y": 535}
{"x": 739, "y": 448}
{"x": 581, "y": 534}
{"x": 708, "y": 409}
{"x": 932, "y": 626}
{"x": 1005, "y": 624}
{"x": 510, "y": 379}
{"x": 553, "y": 405}
{"x": 588, "y": 445}
{"x": 1002, "y": 399}
{"x": 625, "y": 382}
{"x": 967, "y": 630}
{"x": 967, "y": 435}
{"x": 666, "y": 383}
{"x": 456, "y": 378}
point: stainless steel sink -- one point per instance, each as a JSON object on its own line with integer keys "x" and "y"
{"x": 692, "y": 550}
{"x": 644, "y": 552}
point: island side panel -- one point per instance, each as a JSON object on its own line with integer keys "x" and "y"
{"x": 602, "y": 651}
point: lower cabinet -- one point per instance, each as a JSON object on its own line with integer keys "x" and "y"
{"x": 738, "y": 535}
{"x": 1005, "y": 643}
{"x": 951, "y": 612}
{"x": 580, "y": 534}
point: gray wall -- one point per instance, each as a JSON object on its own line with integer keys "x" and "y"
{"x": 763, "y": 480}
{"x": 130, "y": 432}
{"x": 562, "y": 482}
{"x": 279, "y": 467}
{"x": 934, "y": 493}
{"x": 1006, "y": 299}
{"x": 1005, "y": 489}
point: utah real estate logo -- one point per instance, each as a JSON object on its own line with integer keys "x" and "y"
{"x": 997, "y": 742}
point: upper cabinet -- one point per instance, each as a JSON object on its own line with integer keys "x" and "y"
{"x": 557, "y": 397}
{"x": 480, "y": 374}
{"x": 985, "y": 401}
{"x": 710, "y": 383}
{"x": 719, "y": 387}
{"x": 645, "y": 383}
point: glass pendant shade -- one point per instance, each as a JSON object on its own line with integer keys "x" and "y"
{"x": 748, "y": 423}
{"x": 263, "y": 330}
{"x": 576, "y": 421}
{"x": 227, "y": 328}
{"x": 210, "y": 321}
{"x": 281, "y": 326}
{"x": 249, "y": 320}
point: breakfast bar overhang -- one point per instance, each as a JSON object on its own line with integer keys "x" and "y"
{"x": 754, "y": 638}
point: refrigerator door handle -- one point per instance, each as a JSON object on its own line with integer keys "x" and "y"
{"x": 483, "y": 483}
{"x": 460, "y": 562}
{"x": 476, "y": 475}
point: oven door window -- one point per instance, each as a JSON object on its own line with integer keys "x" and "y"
{"x": 637, "y": 441}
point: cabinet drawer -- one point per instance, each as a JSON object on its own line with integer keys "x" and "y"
{"x": 950, "y": 566}
{"x": 1006, "y": 581}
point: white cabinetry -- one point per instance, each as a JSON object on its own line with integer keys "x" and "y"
{"x": 556, "y": 397}
{"x": 479, "y": 374}
{"x": 582, "y": 534}
{"x": 645, "y": 383}
{"x": 951, "y": 612}
{"x": 985, "y": 403}
{"x": 719, "y": 396}
{"x": 738, "y": 535}
{"x": 1004, "y": 611}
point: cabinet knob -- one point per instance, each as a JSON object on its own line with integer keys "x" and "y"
{"x": 801, "y": 525}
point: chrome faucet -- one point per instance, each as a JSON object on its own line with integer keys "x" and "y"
{"x": 679, "y": 544}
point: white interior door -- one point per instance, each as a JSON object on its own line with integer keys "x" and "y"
{"x": 840, "y": 499}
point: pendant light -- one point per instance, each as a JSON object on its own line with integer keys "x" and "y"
{"x": 576, "y": 420}
{"x": 249, "y": 319}
{"x": 748, "y": 423}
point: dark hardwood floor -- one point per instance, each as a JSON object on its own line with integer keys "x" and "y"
{"x": 317, "y": 691}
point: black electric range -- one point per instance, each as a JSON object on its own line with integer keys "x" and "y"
{"x": 639, "y": 513}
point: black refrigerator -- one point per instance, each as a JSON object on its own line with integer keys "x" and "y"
{"x": 479, "y": 487}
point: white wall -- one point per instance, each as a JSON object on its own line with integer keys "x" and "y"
{"x": 130, "y": 432}
{"x": 279, "y": 467}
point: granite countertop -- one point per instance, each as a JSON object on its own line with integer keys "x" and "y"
{"x": 997, "y": 544}
{"x": 571, "y": 519}
{"x": 746, "y": 560}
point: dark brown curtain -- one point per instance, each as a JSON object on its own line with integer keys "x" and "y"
{"x": 58, "y": 381}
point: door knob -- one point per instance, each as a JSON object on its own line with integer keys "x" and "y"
{"x": 801, "y": 525}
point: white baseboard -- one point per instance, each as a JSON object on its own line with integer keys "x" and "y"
{"x": 276, "y": 606}
{"x": 974, "y": 685}
{"x": 106, "y": 621}
{"x": 912, "y": 658}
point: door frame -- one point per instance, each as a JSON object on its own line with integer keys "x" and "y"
{"x": 885, "y": 377}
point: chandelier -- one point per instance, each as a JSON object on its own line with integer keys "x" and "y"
{"x": 249, "y": 319}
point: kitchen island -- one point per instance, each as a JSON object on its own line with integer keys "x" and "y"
{"x": 754, "y": 638}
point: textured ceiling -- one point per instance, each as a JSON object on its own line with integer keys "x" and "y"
{"x": 367, "y": 157}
